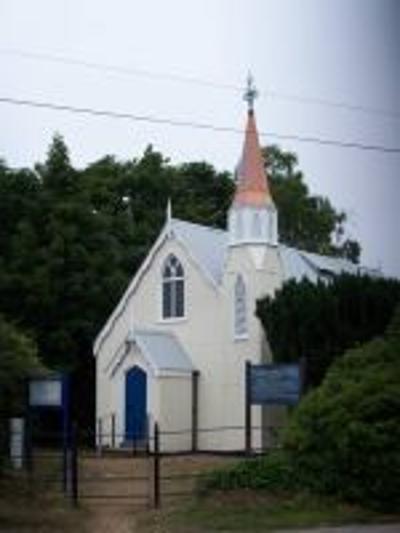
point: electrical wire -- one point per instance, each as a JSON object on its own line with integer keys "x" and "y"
{"x": 130, "y": 71}
{"x": 194, "y": 125}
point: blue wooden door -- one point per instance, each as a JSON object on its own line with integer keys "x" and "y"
{"x": 135, "y": 404}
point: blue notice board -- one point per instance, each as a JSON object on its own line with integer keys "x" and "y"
{"x": 275, "y": 384}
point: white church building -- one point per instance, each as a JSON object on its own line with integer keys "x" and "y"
{"x": 174, "y": 349}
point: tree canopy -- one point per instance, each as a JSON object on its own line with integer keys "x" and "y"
{"x": 320, "y": 321}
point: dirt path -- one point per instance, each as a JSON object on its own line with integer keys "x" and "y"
{"x": 116, "y": 492}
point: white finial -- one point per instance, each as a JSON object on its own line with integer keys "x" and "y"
{"x": 251, "y": 92}
{"x": 169, "y": 210}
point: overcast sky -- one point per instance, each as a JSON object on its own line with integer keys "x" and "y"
{"x": 335, "y": 50}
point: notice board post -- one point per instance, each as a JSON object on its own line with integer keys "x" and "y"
{"x": 270, "y": 384}
{"x": 247, "y": 436}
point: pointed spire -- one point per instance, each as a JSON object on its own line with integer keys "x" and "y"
{"x": 252, "y": 184}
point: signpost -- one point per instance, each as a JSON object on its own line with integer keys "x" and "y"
{"x": 270, "y": 384}
{"x": 51, "y": 391}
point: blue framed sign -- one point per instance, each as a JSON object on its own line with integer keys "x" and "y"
{"x": 46, "y": 392}
{"x": 275, "y": 384}
{"x": 52, "y": 391}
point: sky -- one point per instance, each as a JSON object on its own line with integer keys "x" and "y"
{"x": 187, "y": 60}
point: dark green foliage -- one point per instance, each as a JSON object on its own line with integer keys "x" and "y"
{"x": 17, "y": 359}
{"x": 344, "y": 437}
{"x": 272, "y": 472}
{"x": 320, "y": 321}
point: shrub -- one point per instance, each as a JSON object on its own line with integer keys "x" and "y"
{"x": 17, "y": 359}
{"x": 272, "y": 472}
{"x": 344, "y": 437}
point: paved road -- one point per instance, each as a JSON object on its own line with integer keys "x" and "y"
{"x": 387, "y": 528}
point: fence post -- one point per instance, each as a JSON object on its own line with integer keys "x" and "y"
{"x": 29, "y": 444}
{"x": 156, "y": 466}
{"x": 113, "y": 430}
{"x": 99, "y": 436}
{"x": 147, "y": 450}
{"x": 74, "y": 466}
{"x": 65, "y": 466}
{"x": 247, "y": 394}
{"x": 195, "y": 409}
{"x": 16, "y": 442}
{"x": 303, "y": 375}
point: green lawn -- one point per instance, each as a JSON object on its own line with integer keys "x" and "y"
{"x": 247, "y": 510}
{"x": 240, "y": 510}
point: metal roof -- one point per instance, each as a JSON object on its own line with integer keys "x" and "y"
{"x": 295, "y": 266}
{"x": 209, "y": 247}
{"x": 163, "y": 350}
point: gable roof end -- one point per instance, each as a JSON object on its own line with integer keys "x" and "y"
{"x": 163, "y": 351}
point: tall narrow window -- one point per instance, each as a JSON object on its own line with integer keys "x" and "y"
{"x": 256, "y": 230}
{"x": 240, "y": 308}
{"x": 239, "y": 226}
{"x": 173, "y": 288}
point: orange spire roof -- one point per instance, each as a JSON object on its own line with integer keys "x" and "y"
{"x": 252, "y": 187}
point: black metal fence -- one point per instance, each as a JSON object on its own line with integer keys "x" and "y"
{"x": 144, "y": 474}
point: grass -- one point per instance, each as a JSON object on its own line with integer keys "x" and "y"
{"x": 24, "y": 510}
{"x": 250, "y": 510}
{"x": 47, "y": 511}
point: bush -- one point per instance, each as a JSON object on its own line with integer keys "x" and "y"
{"x": 17, "y": 359}
{"x": 273, "y": 472}
{"x": 344, "y": 437}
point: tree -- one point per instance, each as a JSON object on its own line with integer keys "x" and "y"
{"x": 306, "y": 222}
{"x": 320, "y": 321}
{"x": 56, "y": 173}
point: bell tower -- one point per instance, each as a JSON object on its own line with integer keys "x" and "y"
{"x": 252, "y": 218}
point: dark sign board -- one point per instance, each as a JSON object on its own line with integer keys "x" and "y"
{"x": 274, "y": 384}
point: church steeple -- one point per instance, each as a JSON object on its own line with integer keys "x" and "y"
{"x": 253, "y": 216}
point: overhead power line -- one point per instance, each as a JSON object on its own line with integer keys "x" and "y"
{"x": 130, "y": 71}
{"x": 194, "y": 125}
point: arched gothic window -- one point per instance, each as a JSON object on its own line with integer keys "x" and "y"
{"x": 240, "y": 308}
{"x": 173, "y": 288}
{"x": 239, "y": 226}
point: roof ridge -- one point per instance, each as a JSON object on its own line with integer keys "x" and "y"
{"x": 202, "y": 226}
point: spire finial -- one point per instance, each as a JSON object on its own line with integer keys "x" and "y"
{"x": 250, "y": 93}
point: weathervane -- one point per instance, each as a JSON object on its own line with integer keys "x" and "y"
{"x": 251, "y": 92}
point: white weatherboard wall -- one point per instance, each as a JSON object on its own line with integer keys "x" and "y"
{"x": 175, "y": 414}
